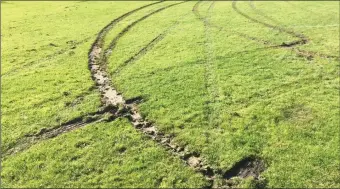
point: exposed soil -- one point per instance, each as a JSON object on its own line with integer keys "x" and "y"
{"x": 110, "y": 97}
{"x": 114, "y": 106}
{"x": 247, "y": 167}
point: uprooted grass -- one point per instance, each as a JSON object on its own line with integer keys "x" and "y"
{"x": 270, "y": 102}
{"x": 42, "y": 87}
{"x": 268, "y": 99}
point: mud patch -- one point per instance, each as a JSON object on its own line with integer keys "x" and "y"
{"x": 247, "y": 167}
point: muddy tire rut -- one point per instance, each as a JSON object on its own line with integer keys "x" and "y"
{"x": 115, "y": 106}
{"x": 111, "y": 97}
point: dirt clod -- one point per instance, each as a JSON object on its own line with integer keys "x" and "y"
{"x": 53, "y": 45}
{"x": 194, "y": 161}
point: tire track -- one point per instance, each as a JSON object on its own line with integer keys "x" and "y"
{"x": 302, "y": 39}
{"x": 110, "y": 97}
{"x": 147, "y": 47}
{"x": 113, "y": 43}
{"x": 104, "y": 114}
{"x": 81, "y": 121}
{"x": 259, "y": 12}
{"x": 210, "y": 24}
{"x": 211, "y": 79}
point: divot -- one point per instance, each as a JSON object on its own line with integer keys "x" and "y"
{"x": 247, "y": 167}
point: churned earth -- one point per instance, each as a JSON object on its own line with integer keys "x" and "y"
{"x": 170, "y": 94}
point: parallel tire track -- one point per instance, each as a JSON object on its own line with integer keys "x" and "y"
{"x": 143, "y": 50}
{"x": 302, "y": 39}
{"x": 110, "y": 97}
{"x": 28, "y": 140}
{"x": 126, "y": 29}
{"x": 259, "y": 12}
{"x": 210, "y": 68}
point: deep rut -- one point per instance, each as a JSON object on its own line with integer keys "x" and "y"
{"x": 110, "y": 97}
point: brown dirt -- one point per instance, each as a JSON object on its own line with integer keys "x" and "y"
{"x": 97, "y": 65}
{"x": 248, "y": 167}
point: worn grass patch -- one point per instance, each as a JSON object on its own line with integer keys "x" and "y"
{"x": 228, "y": 80}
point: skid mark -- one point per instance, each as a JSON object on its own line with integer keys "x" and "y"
{"x": 129, "y": 108}
{"x": 302, "y": 39}
{"x": 105, "y": 114}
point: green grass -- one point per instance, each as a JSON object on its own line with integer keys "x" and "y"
{"x": 107, "y": 155}
{"x": 36, "y": 87}
{"x": 220, "y": 94}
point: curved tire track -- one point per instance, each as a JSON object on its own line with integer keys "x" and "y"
{"x": 126, "y": 29}
{"x": 302, "y": 39}
{"x": 28, "y": 140}
{"x": 110, "y": 97}
{"x": 146, "y": 48}
{"x": 104, "y": 114}
{"x": 259, "y": 12}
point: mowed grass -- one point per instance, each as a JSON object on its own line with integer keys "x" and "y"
{"x": 220, "y": 93}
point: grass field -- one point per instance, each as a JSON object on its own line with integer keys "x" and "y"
{"x": 249, "y": 89}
